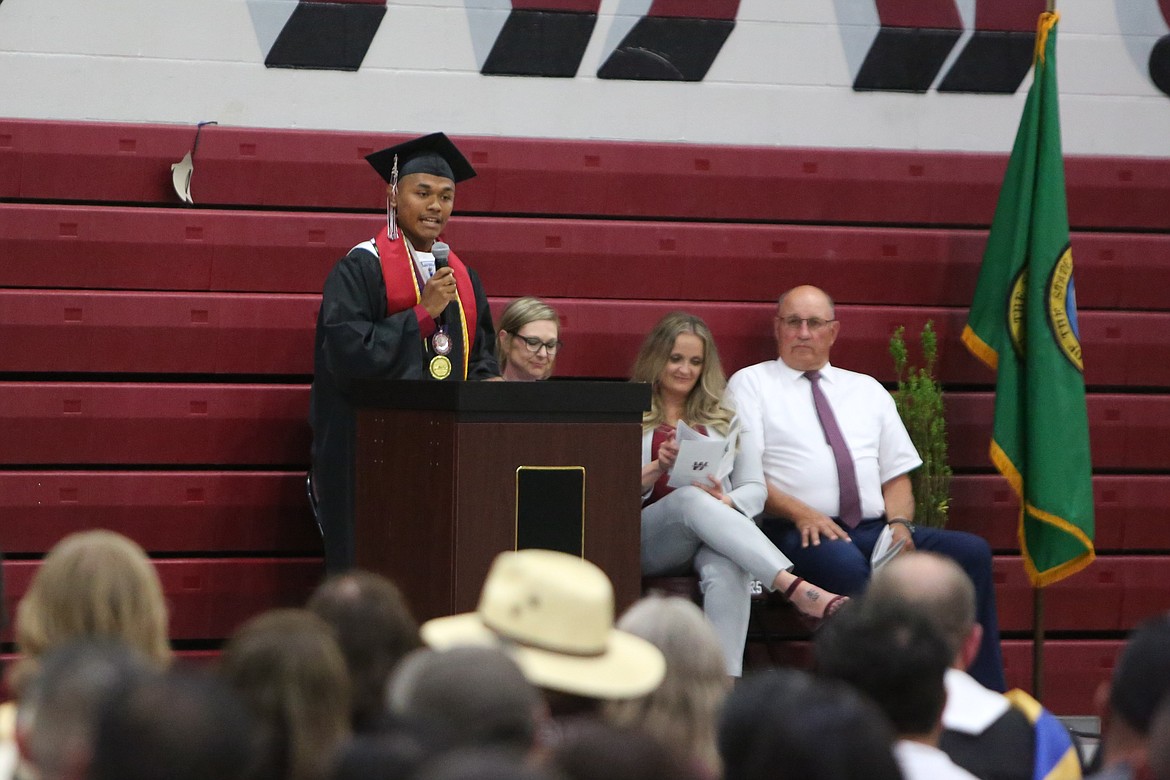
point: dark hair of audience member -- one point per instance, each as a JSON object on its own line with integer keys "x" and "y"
{"x": 480, "y": 764}
{"x": 467, "y": 696}
{"x": 1159, "y": 744}
{"x": 567, "y": 706}
{"x": 60, "y": 706}
{"x": 287, "y": 668}
{"x": 177, "y": 725}
{"x": 1141, "y": 679}
{"x": 892, "y": 654}
{"x": 374, "y": 629}
{"x": 394, "y": 755}
{"x": 785, "y": 724}
{"x": 593, "y": 750}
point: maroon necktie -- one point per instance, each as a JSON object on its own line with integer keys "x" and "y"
{"x": 849, "y": 511}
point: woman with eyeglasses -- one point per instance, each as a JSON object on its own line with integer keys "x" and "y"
{"x": 528, "y": 341}
{"x": 708, "y": 527}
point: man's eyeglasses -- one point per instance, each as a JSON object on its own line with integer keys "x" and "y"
{"x": 534, "y": 345}
{"x": 815, "y": 324}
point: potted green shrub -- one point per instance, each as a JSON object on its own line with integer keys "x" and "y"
{"x": 919, "y": 399}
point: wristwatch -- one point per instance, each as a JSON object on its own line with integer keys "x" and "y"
{"x": 902, "y": 521}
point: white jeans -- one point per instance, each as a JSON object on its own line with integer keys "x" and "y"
{"x": 727, "y": 550}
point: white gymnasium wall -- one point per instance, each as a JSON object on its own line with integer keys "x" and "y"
{"x": 783, "y": 78}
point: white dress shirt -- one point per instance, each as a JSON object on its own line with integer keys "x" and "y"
{"x": 971, "y": 708}
{"x": 776, "y": 401}
{"x": 923, "y": 762}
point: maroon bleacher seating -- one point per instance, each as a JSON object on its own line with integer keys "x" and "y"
{"x": 156, "y": 358}
{"x": 68, "y": 331}
{"x": 1073, "y": 669}
{"x": 158, "y": 333}
{"x": 255, "y": 512}
{"x": 108, "y": 162}
{"x": 1130, "y": 511}
{"x": 195, "y": 423}
{"x": 168, "y": 424}
{"x": 208, "y": 598}
{"x": 213, "y": 250}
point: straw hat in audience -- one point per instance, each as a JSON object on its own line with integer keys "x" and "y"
{"x": 554, "y": 613}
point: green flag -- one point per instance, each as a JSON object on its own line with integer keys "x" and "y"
{"x": 1023, "y": 324}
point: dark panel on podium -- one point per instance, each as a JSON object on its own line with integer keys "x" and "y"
{"x": 550, "y": 508}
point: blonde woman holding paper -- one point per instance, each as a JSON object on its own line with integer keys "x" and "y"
{"x": 708, "y": 526}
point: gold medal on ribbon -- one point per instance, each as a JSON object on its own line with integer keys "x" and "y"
{"x": 440, "y": 367}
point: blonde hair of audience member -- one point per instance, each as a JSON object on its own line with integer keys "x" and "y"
{"x": 517, "y": 361}
{"x": 682, "y": 713}
{"x": 93, "y": 584}
{"x": 289, "y": 670}
{"x": 704, "y": 405}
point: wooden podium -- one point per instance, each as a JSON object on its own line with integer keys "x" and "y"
{"x": 449, "y": 474}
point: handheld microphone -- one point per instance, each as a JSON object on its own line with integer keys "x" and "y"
{"x": 440, "y": 251}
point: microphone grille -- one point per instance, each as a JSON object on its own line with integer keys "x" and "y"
{"x": 440, "y": 250}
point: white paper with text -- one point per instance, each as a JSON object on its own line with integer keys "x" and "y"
{"x": 701, "y": 457}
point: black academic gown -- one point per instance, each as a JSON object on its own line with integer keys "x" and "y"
{"x": 357, "y": 339}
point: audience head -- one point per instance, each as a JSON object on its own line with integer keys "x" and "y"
{"x": 177, "y": 725}
{"x": 785, "y": 724}
{"x": 1159, "y": 743}
{"x": 470, "y": 695}
{"x": 681, "y": 713}
{"x": 895, "y": 656}
{"x": 679, "y": 358}
{"x": 805, "y": 327}
{"x": 479, "y": 764}
{"x": 594, "y": 750}
{"x": 553, "y": 613}
{"x": 527, "y": 329}
{"x": 287, "y": 668}
{"x": 1141, "y": 678}
{"x": 60, "y": 706}
{"x": 938, "y": 588}
{"x": 374, "y": 629}
{"x": 95, "y": 584}
{"x": 394, "y": 755}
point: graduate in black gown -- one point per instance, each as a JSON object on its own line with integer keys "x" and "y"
{"x": 388, "y": 312}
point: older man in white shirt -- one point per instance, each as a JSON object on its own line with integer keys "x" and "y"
{"x": 837, "y": 461}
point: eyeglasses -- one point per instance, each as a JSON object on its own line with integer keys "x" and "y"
{"x": 815, "y": 324}
{"x": 534, "y": 345}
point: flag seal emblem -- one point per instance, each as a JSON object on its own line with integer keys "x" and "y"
{"x": 1062, "y": 309}
{"x": 1017, "y": 299}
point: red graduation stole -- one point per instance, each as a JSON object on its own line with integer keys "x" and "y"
{"x": 404, "y": 290}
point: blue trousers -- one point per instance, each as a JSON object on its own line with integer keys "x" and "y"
{"x": 843, "y": 567}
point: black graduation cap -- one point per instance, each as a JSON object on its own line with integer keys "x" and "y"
{"x": 433, "y": 154}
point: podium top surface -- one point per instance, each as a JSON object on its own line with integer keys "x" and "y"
{"x": 618, "y": 401}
